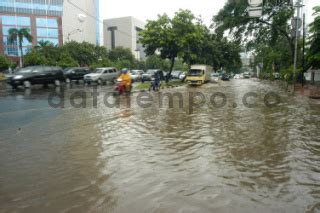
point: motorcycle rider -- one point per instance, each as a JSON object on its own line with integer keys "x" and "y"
{"x": 126, "y": 79}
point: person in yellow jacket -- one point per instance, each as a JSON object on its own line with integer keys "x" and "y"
{"x": 126, "y": 79}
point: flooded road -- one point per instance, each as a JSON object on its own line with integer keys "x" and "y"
{"x": 231, "y": 158}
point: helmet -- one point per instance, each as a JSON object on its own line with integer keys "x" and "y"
{"x": 124, "y": 70}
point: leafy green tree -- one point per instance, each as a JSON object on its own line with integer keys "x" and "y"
{"x": 120, "y": 64}
{"x": 84, "y": 53}
{"x": 4, "y": 63}
{"x": 43, "y": 44}
{"x": 34, "y": 57}
{"x": 17, "y": 36}
{"x": 313, "y": 56}
{"x": 156, "y": 62}
{"x": 66, "y": 60}
{"x": 172, "y": 37}
{"x": 101, "y": 63}
{"x": 273, "y": 26}
{"x": 120, "y": 54}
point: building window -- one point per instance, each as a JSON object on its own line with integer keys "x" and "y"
{"x": 42, "y": 32}
{"x": 43, "y": 22}
{"x": 53, "y": 33}
{"x": 16, "y": 20}
{"x": 113, "y": 36}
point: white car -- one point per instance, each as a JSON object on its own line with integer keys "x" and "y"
{"x": 237, "y": 76}
{"x": 215, "y": 77}
{"x": 136, "y": 75}
{"x": 102, "y": 75}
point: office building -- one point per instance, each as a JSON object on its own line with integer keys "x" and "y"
{"x": 80, "y": 21}
{"x": 124, "y": 32}
{"x": 56, "y": 21}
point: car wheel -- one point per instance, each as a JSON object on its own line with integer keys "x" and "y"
{"x": 57, "y": 83}
{"x": 68, "y": 80}
{"x": 26, "y": 84}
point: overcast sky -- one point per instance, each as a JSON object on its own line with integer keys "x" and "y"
{"x": 149, "y": 9}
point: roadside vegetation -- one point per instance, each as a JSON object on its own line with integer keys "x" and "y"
{"x": 271, "y": 38}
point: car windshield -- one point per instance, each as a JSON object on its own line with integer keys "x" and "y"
{"x": 99, "y": 70}
{"x": 176, "y": 73}
{"x": 133, "y": 72}
{"x": 27, "y": 70}
{"x": 195, "y": 72}
{"x": 151, "y": 71}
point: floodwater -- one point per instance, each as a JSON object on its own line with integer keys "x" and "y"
{"x": 138, "y": 159}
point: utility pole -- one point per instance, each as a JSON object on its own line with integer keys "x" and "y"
{"x": 297, "y": 27}
{"x": 303, "y": 48}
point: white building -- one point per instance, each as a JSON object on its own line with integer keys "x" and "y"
{"x": 123, "y": 32}
{"x": 80, "y": 21}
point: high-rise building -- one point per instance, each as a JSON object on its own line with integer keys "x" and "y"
{"x": 56, "y": 21}
{"x": 80, "y": 21}
{"x": 124, "y": 32}
{"x": 43, "y": 20}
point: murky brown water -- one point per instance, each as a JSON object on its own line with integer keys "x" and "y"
{"x": 229, "y": 159}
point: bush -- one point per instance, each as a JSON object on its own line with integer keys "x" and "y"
{"x": 102, "y": 63}
{"x": 4, "y": 63}
{"x": 67, "y": 61}
{"x": 34, "y": 58}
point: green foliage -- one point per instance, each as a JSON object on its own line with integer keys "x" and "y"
{"x": 66, "y": 60}
{"x": 120, "y": 54}
{"x": 139, "y": 65}
{"x": 4, "y": 63}
{"x": 102, "y": 63}
{"x": 84, "y": 53}
{"x": 16, "y": 36}
{"x": 156, "y": 62}
{"x": 34, "y": 57}
{"x": 120, "y": 64}
{"x": 313, "y": 55}
{"x": 179, "y": 65}
{"x": 174, "y": 37}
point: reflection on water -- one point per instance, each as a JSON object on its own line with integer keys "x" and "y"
{"x": 225, "y": 159}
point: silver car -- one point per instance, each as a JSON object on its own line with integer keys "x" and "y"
{"x": 102, "y": 75}
{"x": 136, "y": 75}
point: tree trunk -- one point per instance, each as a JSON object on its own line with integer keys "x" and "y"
{"x": 170, "y": 71}
{"x": 21, "y": 52}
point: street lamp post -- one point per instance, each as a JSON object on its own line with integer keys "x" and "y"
{"x": 297, "y": 25}
{"x": 72, "y": 33}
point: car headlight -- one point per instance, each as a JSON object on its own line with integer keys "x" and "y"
{"x": 17, "y": 77}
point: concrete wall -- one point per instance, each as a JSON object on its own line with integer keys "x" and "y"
{"x": 70, "y": 20}
{"x": 125, "y": 34}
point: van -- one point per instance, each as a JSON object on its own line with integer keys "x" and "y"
{"x": 199, "y": 74}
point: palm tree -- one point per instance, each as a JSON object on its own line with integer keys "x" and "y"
{"x": 17, "y": 36}
{"x": 43, "y": 44}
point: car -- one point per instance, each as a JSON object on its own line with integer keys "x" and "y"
{"x": 101, "y": 75}
{"x": 75, "y": 73}
{"x": 136, "y": 75}
{"x": 237, "y": 76}
{"x": 183, "y": 76}
{"x": 215, "y": 77}
{"x": 149, "y": 75}
{"x": 175, "y": 74}
{"x": 246, "y": 75}
{"x": 32, "y": 75}
{"x": 276, "y": 76}
{"x": 225, "y": 77}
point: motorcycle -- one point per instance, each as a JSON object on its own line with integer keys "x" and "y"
{"x": 154, "y": 85}
{"x": 121, "y": 88}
